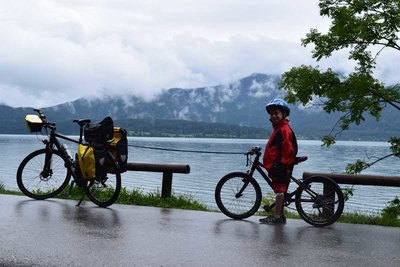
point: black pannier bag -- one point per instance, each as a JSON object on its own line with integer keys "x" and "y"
{"x": 99, "y": 132}
{"x": 119, "y": 148}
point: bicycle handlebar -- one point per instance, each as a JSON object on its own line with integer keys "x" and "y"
{"x": 254, "y": 150}
{"x": 46, "y": 123}
{"x": 41, "y": 114}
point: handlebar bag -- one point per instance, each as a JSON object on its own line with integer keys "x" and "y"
{"x": 91, "y": 160}
{"x": 99, "y": 132}
{"x": 34, "y": 123}
{"x": 119, "y": 148}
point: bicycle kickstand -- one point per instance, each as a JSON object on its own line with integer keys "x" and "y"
{"x": 83, "y": 196}
{"x": 70, "y": 191}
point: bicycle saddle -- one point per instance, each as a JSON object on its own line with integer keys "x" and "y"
{"x": 82, "y": 122}
{"x": 297, "y": 160}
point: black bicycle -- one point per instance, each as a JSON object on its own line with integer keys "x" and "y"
{"x": 46, "y": 172}
{"x": 319, "y": 200}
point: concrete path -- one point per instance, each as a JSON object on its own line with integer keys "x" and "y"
{"x": 57, "y": 233}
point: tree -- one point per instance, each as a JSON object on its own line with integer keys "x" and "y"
{"x": 364, "y": 28}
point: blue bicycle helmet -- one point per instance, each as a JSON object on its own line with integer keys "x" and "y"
{"x": 280, "y": 103}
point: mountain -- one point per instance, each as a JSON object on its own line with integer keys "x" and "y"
{"x": 240, "y": 103}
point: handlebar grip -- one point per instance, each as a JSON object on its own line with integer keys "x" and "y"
{"x": 41, "y": 114}
{"x": 254, "y": 150}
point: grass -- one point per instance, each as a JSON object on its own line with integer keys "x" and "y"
{"x": 133, "y": 197}
{"x": 358, "y": 218}
{"x": 137, "y": 197}
{"x": 355, "y": 218}
{"x": 5, "y": 191}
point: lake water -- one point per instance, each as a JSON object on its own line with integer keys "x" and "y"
{"x": 207, "y": 169}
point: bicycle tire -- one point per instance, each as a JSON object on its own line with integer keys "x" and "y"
{"x": 105, "y": 191}
{"x": 320, "y": 210}
{"x": 31, "y": 181}
{"x": 238, "y": 207}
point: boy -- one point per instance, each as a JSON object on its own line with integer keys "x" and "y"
{"x": 279, "y": 156}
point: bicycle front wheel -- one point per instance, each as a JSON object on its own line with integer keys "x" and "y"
{"x": 234, "y": 204}
{"x": 320, "y": 201}
{"x": 105, "y": 191}
{"x": 36, "y": 182}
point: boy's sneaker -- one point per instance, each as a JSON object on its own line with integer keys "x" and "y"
{"x": 273, "y": 220}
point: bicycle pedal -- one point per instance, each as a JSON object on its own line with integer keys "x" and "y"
{"x": 267, "y": 208}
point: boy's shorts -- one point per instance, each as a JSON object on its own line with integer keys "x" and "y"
{"x": 279, "y": 187}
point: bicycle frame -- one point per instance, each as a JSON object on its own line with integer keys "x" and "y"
{"x": 53, "y": 141}
{"x": 256, "y": 165}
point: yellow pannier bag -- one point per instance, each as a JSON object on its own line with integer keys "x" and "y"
{"x": 92, "y": 161}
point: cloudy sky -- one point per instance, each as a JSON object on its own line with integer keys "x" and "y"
{"x": 53, "y": 51}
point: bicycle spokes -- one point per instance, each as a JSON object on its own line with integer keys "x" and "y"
{"x": 237, "y": 196}
{"x": 240, "y": 192}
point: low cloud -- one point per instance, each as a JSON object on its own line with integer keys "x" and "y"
{"x": 57, "y": 51}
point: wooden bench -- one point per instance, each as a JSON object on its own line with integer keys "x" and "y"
{"x": 359, "y": 179}
{"x": 167, "y": 169}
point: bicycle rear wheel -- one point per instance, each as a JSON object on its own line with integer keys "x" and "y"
{"x": 105, "y": 191}
{"x": 36, "y": 183}
{"x": 320, "y": 202}
{"x": 230, "y": 202}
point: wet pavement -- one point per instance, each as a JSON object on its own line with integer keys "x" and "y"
{"x": 57, "y": 233}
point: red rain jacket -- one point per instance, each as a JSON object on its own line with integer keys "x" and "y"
{"x": 281, "y": 147}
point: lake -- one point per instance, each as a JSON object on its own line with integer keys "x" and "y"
{"x": 207, "y": 169}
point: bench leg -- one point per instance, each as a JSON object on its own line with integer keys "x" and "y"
{"x": 166, "y": 185}
{"x": 329, "y": 196}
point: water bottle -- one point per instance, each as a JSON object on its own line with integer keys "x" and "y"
{"x": 65, "y": 148}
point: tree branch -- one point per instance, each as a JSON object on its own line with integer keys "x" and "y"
{"x": 390, "y": 102}
{"x": 376, "y": 161}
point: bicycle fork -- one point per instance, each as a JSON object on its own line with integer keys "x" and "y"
{"x": 246, "y": 181}
{"x": 240, "y": 193}
{"x": 47, "y": 171}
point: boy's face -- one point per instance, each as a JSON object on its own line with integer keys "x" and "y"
{"x": 276, "y": 115}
